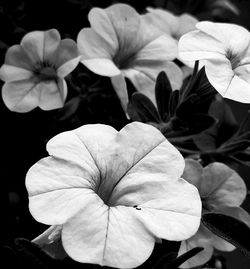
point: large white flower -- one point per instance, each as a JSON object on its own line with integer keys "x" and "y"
{"x": 224, "y": 50}
{"x": 120, "y": 43}
{"x": 222, "y": 190}
{"x": 114, "y": 193}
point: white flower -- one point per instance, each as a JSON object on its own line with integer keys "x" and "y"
{"x": 224, "y": 50}
{"x": 114, "y": 193}
{"x": 34, "y": 71}
{"x": 120, "y": 43}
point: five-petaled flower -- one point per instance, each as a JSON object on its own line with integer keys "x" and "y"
{"x": 114, "y": 193}
{"x": 222, "y": 190}
{"x": 121, "y": 43}
{"x": 34, "y": 71}
{"x": 224, "y": 49}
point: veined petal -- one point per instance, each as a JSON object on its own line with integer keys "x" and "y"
{"x": 17, "y": 56}
{"x": 220, "y": 74}
{"x": 65, "y": 52}
{"x": 238, "y": 90}
{"x": 234, "y": 37}
{"x": 105, "y": 235}
{"x": 197, "y": 45}
{"x": 11, "y": 73}
{"x": 51, "y": 95}
{"x": 126, "y": 22}
{"x": 41, "y": 45}
{"x": 92, "y": 46}
{"x": 96, "y": 54}
{"x": 103, "y": 25}
{"x": 222, "y": 186}
{"x": 162, "y": 48}
{"x": 120, "y": 88}
{"x": 21, "y": 96}
{"x": 172, "y": 214}
{"x": 61, "y": 192}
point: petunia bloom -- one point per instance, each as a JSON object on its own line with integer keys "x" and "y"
{"x": 224, "y": 49}
{"x": 120, "y": 43}
{"x": 114, "y": 193}
{"x": 168, "y": 23}
{"x": 222, "y": 190}
{"x": 34, "y": 71}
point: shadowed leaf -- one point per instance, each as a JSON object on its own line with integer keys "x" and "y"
{"x": 230, "y": 229}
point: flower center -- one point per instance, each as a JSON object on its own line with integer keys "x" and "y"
{"x": 234, "y": 60}
{"x": 45, "y": 72}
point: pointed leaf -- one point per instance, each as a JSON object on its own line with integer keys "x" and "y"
{"x": 163, "y": 91}
{"x": 230, "y": 229}
{"x": 145, "y": 108}
{"x": 173, "y": 102}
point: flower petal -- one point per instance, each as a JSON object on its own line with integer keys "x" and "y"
{"x": 21, "y": 96}
{"x": 96, "y": 54}
{"x": 41, "y": 45}
{"x": 103, "y": 25}
{"x": 126, "y": 22}
{"x": 68, "y": 67}
{"x": 52, "y": 94}
{"x": 55, "y": 195}
{"x": 222, "y": 186}
{"x": 238, "y": 89}
{"x": 92, "y": 46}
{"x": 105, "y": 235}
{"x": 144, "y": 74}
{"x": 162, "y": 48}
{"x": 200, "y": 239}
{"x": 197, "y": 45}
{"x": 234, "y": 37}
{"x": 12, "y": 73}
{"x": 170, "y": 208}
{"x": 120, "y": 88}
{"x": 65, "y": 52}
{"x": 17, "y": 56}
{"x": 193, "y": 172}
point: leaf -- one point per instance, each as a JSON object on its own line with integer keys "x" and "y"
{"x": 145, "y": 108}
{"x": 173, "y": 102}
{"x": 245, "y": 124}
{"x": 169, "y": 261}
{"x": 163, "y": 91}
{"x": 234, "y": 147}
{"x": 230, "y": 229}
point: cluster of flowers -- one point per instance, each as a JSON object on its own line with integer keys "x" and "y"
{"x": 104, "y": 191}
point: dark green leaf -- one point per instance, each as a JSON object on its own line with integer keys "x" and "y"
{"x": 163, "y": 91}
{"x": 245, "y": 124}
{"x": 173, "y": 102}
{"x": 230, "y": 229}
{"x": 231, "y": 148}
{"x": 169, "y": 261}
{"x": 144, "y": 108}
